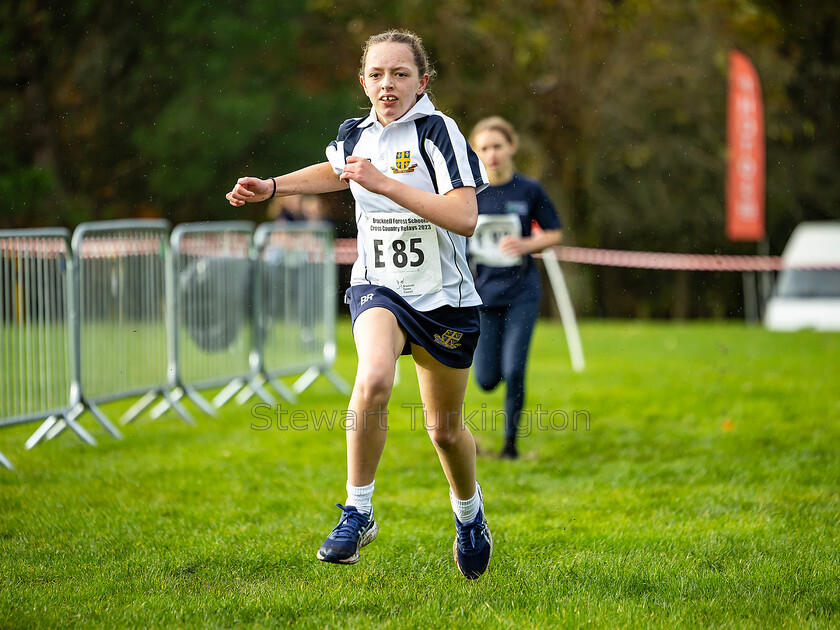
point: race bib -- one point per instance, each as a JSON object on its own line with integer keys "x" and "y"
{"x": 402, "y": 254}
{"x": 489, "y": 232}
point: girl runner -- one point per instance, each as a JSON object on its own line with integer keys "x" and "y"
{"x": 506, "y": 276}
{"x": 414, "y": 179}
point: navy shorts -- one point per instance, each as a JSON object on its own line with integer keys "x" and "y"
{"x": 448, "y": 333}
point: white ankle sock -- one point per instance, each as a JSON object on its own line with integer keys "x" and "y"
{"x": 360, "y": 497}
{"x": 466, "y": 510}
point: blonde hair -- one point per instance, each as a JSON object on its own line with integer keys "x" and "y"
{"x": 413, "y": 41}
{"x": 495, "y": 123}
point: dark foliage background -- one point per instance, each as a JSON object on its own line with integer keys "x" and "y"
{"x": 145, "y": 109}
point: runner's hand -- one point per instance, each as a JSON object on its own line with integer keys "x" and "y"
{"x": 250, "y": 190}
{"x": 361, "y": 171}
{"x": 512, "y": 246}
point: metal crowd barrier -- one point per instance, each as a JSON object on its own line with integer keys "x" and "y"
{"x": 295, "y": 305}
{"x": 37, "y": 379}
{"x": 210, "y": 281}
{"x": 126, "y": 310}
{"x": 122, "y": 323}
{"x": 297, "y": 329}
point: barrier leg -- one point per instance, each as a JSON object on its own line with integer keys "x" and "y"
{"x": 78, "y": 429}
{"x": 104, "y": 421}
{"x": 57, "y": 429}
{"x": 199, "y": 400}
{"x": 138, "y": 407}
{"x": 228, "y": 392}
{"x": 255, "y": 386}
{"x": 284, "y": 391}
{"x": 5, "y": 462}
{"x": 177, "y": 394}
{"x": 169, "y": 400}
{"x": 159, "y": 409}
{"x": 339, "y": 383}
{"x": 40, "y": 432}
{"x": 306, "y": 379}
{"x": 178, "y": 408}
{"x": 245, "y": 393}
{"x": 311, "y": 375}
{"x": 52, "y": 426}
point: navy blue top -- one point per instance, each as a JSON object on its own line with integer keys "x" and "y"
{"x": 502, "y": 286}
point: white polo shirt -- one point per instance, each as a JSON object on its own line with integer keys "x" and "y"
{"x": 422, "y": 262}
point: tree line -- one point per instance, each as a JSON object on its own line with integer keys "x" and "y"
{"x": 154, "y": 109}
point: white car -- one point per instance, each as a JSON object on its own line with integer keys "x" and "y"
{"x": 808, "y": 298}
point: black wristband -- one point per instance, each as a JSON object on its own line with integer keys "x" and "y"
{"x": 274, "y": 191}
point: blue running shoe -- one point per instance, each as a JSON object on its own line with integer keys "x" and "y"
{"x": 473, "y": 546}
{"x": 354, "y": 530}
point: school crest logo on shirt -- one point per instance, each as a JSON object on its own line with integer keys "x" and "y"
{"x": 449, "y": 339}
{"x": 403, "y": 163}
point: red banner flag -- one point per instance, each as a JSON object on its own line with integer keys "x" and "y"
{"x": 745, "y": 167}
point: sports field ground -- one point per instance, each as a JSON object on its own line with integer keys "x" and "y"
{"x": 690, "y": 476}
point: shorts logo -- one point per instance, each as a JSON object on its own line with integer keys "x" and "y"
{"x": 365, "y": 298}
{"x": 448, "y": 339}
{"x": 403, "y": 162}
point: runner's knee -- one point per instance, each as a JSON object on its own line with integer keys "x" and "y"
{"x": 444, "y": 435}
{"x": 487, "y": 382}
{"x": 374, "y": 384}
{"x": 487, "y": 377}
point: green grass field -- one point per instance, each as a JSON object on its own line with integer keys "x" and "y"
{"x": 705, "y": 492}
